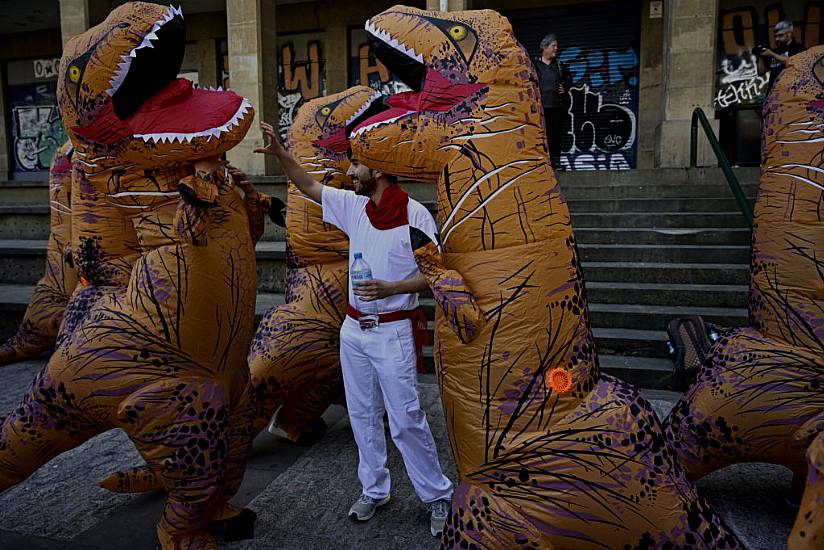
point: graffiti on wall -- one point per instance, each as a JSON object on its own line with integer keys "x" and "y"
{"x": 300, "y": 77}
{"x": 602, "y": 102}
{"x": 738, "y": 83}
{"x": 38, "y": 132}
{"x": 36, "y": 127}
{"x": 366, "y": 70}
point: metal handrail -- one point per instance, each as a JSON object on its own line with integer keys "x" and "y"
{"x": 732, "y": 181}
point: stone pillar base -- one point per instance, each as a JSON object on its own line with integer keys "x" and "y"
{"x": 673, "y": 139}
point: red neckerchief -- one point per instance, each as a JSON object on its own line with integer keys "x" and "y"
{"x": 391, "y": 212}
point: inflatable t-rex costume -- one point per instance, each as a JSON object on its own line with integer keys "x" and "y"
{"x": 295, "y": 356}
{"x": 551, "y": 453}
{"x": 759, "y": 396}
{"x": 159, "y": 349}
{"x": 41, "y": 322}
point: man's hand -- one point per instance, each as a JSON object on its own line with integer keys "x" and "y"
{"x": 767, "y": 53}
{"x": 273, "y": 144}
{"x": 242, "y": 180}
{"x": 374, "y": 289}
{"x": 309, "y": 186}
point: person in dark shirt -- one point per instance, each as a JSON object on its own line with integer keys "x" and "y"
{"x": 554, "y": 87}
{"x": 786, "y": 47}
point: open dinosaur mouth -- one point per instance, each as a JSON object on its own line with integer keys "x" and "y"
{"x": 431, "y": 91}
{"x": 337, "y": 141}
{"x": 149, "y": 102}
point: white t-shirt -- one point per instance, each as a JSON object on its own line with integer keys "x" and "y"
{"x": 387, "y": 251}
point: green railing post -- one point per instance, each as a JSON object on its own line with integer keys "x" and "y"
{"x": 699, "y": 116}
{"x": 694, "y": 139}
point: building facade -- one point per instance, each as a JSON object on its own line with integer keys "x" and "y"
{"x": 637, "y": 67}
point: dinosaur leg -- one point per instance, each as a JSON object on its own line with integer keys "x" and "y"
{"x": 137, "y": 479}
{"x": 184, "y": 430}
{"x": 295, "y": 369}
{"x": 38, "y": 330}
{"x": 748, "y": 401}
{"x": 44, "y": 425}
{"x": 808, "y": 531}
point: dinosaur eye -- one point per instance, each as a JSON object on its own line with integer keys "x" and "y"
{"x": 74, "y": 74}
{"x": 458, "y": 32}
{"x": 325, "y": 111}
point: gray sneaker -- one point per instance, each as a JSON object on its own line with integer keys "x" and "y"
{"x": 439, "y": 509}
{"x": 364, "y": 508}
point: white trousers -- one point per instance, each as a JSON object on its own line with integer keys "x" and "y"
{"x": 379, "y": 374}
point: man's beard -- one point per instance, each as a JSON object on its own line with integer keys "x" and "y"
{"x": 365, "y": 188}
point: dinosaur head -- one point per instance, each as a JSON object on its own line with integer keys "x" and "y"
{"x": 120, "y": 97}
{"x": 318, "y": 137}
{"x": 794, "y": 123}
{"x": 471, "y": 81}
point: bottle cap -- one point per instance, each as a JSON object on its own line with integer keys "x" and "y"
{"x": 358, "y": 255}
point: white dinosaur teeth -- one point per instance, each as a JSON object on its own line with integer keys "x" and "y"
{"x": 171, "y": 137}
{"x": 395, "y": 43}
{"x": 364, "y": 107}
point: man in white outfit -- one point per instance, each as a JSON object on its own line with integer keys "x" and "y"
{"x": 379, "y": 363}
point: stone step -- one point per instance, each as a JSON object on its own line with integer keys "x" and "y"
{"x": 643, "y": 371}
{"x": 656, "y": 317}
{"x": 658, "y": 219}
{"x": 660, "y": 272}
{"x": 718, "y": 190}
{"x": 631, "y": 342}
{"x": 643, "y": 205}
{"x": 21, "y": 260}
{"x": 724, "y": 296}
{"x": 660, "y": 197}
{"x": 32, "y": 222}
{"x": 664, "y": 253}
{"x": 24, "y": 221}
{"x": 664, "y": 236}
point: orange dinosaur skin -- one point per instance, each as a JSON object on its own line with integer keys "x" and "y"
{"x": 584, "y": 467}
{"x": 44, "y": 314}
{"x": 294, "y": 358}
{"x": 759, "y": 396}
{"x": 140, "y": 348}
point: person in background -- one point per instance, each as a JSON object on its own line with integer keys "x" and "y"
{"x": 379, "y": 360}
{"x": 554, "y": 86}
{"x": 775, "y": 61}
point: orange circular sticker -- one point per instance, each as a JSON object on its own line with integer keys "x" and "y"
{"x": 560, "y": 380}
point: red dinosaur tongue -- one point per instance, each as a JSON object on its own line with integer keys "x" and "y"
{"x": 178, "y": 108}
{"x": 337, "y": 142}
{"x": 438, "y": 94}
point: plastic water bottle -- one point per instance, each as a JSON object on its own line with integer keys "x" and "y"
{"x": 361, "y": 272}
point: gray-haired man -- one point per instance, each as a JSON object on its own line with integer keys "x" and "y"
{"x": 786, "y": 47}
{"x": 553, "y": 89}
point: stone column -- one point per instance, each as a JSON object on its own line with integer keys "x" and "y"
{"x": 253, "y": 74}
{"x": 207, "y": 68}
{"x": 649, "y": 93}
{"x": 452, "y": 5}
{"x": 77, "y": 16}
{"x": 5, "y": 161}
{"x": 690, "y": 29}
{"x": 337, "y": 59}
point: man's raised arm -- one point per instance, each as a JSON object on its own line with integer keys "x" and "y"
{"x": 308, "y": 185}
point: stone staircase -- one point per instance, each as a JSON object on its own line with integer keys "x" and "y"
{"x": 654, "y": 244}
